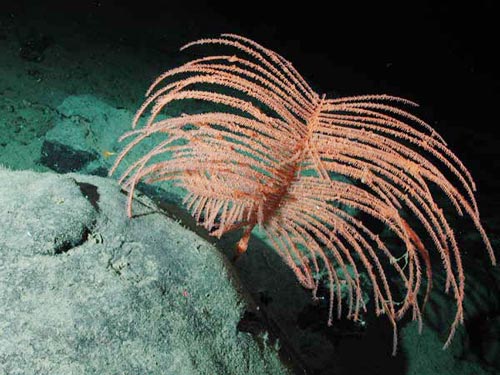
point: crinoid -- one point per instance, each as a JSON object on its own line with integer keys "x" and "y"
{"x": 269, "y": 151}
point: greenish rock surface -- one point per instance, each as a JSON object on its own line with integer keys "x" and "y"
{"x": 86, "y": 290}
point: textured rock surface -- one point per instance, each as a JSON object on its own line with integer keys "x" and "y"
{"x": 85, "y": 290}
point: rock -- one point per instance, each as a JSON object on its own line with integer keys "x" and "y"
{"x": 86, "y": 290}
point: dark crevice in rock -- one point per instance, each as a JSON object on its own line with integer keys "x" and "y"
{"x": 63, "y": 159}
{"x": 66, "y": 245}
{"x": 90, "y": 192}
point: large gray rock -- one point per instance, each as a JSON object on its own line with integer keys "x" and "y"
{"x": 86, "y": 290}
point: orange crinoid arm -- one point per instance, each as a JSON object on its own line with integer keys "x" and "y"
{"x": 269, "y": 151}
